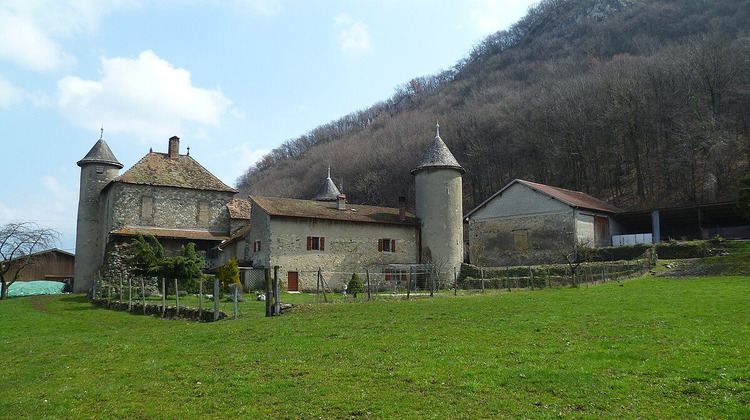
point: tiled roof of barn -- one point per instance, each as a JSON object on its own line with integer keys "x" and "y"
{"x": 196, "y": 234}
{"x": 574, "y": 198}
{"x": 239, "y": 208}
{"x": 289, "y": 207}
{"x": 183, "y": 172}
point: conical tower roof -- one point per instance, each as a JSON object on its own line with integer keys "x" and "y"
{"x": 327, "y": 191}
{"x": 100, "y": 153}
{"x": 438, "y": 156}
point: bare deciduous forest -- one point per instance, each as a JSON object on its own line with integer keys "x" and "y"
{"x": 639, "y": 102}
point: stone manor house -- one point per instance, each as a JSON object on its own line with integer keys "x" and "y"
{"x": 174, "y": 198}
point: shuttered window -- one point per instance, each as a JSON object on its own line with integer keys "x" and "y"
{"x": 316, "y": 243}
{"x": 386, "y": 245}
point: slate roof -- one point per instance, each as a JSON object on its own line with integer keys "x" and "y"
{"x": 184, "y": 172}
{"x": 100, "y": 153}
{"x": 438, "y": 156}
{"x": 289, "y": 207}
{"x": 196, "y": 234}
{"x": 569, "y": 197}
{"x": 327, "y": 191}
{"x": 239, "y": 208}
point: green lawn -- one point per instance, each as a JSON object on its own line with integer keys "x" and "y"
{"x": 650, "y": 347}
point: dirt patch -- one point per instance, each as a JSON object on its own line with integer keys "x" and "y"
{"x": 39, "y": 303}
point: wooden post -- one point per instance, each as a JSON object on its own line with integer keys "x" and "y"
{"x": 481, "y": 276}
{"x": 163, "y": 296}
{"x": 322, "y": 284}
{"x": 455, "y": 282}
{"x": 200, "y": 299}
{"x": 549, "y": 280}
{"x": 120, "y": 287}
{"x": 234, "y": 298}
{"x": 507, "y": 277}
{"x": 109, "y": 293}
{"x": 408, "y": 283}
{"x": 317, "y": 286}
{"x": 276, "y": 292}
{"x": 369, "y": 286}
{"x": 143, "y": 294}
{"x": 130, "y": 293}
{"x": 176, "y": 298}
{"x": 432, "y": 280}
{"x": 216, "y": 299}
{"x": 531, "y": 278}
{"x": 267, "y": 273}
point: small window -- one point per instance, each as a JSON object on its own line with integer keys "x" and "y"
{"x": 386, "y": 245}
{"x": 316, "y": 243}
{"x": 521, "y": 241}
{"x": 256, "y": 246}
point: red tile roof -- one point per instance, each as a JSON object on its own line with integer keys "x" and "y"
{"x": 239, "y": 208}
{"x": 573, "y": 198}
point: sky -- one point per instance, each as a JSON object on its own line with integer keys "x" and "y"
{"x": 233, "y": 79}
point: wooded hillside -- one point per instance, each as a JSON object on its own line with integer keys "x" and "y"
{"x": 638, "y": 102}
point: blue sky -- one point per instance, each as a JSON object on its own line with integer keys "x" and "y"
{"x": 233, "y": 79}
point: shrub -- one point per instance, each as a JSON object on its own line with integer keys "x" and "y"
{"x": 679, "y": 250}
{"x": 355, "y": 285}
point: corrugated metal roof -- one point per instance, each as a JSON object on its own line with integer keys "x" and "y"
{"x": 100, "y": 153}
{"x": 197, "y": 234}
{"x": 184, "y": 172}
{"x": 289, "y": 207}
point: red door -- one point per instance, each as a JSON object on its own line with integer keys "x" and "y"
{"x": 292, "y": 281}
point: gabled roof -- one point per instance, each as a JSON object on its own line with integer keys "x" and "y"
{"x": 239, "y": 208}
{"x": 571, "y": 198}
{"x": 309, "y": 209}
{"x": 195, "y": 234}
{"x": 46, "y": 251}
{"x": 184, "y": 172}
{"x": 100, "y": 153}
{"x": 438, "y": 156}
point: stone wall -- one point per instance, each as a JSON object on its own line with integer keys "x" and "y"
{"x": 167, "y": 207}
{"x": 348, "y": 247}
{"x": 493, "y": 241}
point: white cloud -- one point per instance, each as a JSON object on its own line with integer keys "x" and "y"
{"x": 236, "y": 161}
{"x": 30, "y": 29}
{"x": 354, "y": 36}
{"x": 10, "y": 94}
{"x": 145, "y": 96}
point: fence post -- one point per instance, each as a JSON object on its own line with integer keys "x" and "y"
{"x": 109, "y": 293}
{"x": 200, "y": 298}
{"x": 276, "y": 297}
{"x": 143, "y": 294}
{"x": 507, "y": 277}
{"x": 455, "y": 282}
{"x": 176, "y": 298}
{"x": 234, "y": 298}
{"x": 130, "y": 293}
{"x": 432, "y": 281}
{"x": 549, "y": 280}
{"x": 481, "y": 274}
{"x": 322, "y": 284}
{"x": 163, "y": 296}
{"x": 267, "y": 274}
{"x": 216, "y": 299}
{"x": 531, "y": 278}
{"x": 369, "y": 285}
{"x": 120, "y": 287}
{"x": 408, "y": 283}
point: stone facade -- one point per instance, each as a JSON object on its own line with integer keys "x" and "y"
{"x": 523, "y": 225}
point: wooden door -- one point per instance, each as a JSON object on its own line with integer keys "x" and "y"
{"x": 292, "y": 281}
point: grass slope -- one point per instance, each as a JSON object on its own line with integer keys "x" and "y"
{"x": 646, "y": 348}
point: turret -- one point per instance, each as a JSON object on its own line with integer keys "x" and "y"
{"x": 327, "y": 191}
{"x": 439, "y": 191}
{"x": 98, "y": 168}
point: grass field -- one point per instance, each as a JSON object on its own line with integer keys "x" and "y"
{"x": 650, "y": 347}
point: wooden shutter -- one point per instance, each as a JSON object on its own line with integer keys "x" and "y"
{"x": 387, "y": 274}
{"x": 322, "y": 243}
{"x": 380, "y": 245}
{"x": 393, "y": 245}
{"x": 309, "y": 243}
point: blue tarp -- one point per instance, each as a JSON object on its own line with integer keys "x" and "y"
{"x": 29, "y": 288}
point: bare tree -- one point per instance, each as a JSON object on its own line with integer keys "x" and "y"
{"x": 18, "y": 244}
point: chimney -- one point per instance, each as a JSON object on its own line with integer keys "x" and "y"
{"x": 174, "y": 147}
{"x": 341, "y": 202}
{"x": 402, "y": 208}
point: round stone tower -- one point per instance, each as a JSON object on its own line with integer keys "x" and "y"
{"x": 439, "y": 191}
{"x": 98, "y": 168}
